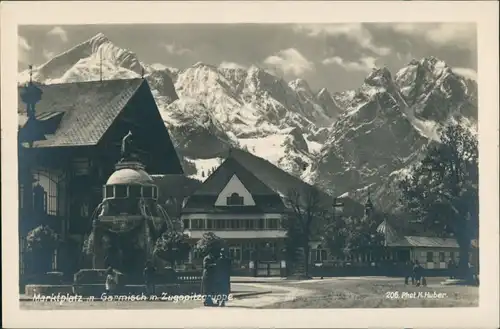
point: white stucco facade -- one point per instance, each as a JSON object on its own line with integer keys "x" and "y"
{"x": 235, "y": 186}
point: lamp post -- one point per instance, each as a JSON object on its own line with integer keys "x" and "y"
{"x": 30, "y": 95}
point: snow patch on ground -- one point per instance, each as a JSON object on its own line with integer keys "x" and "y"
{"x": 312, "y": 146}
{"x": 269, "y": 147}
{"x": 203, "y": 166}
{"x": 427, "y": 128}
{"x": 401, "y": 173}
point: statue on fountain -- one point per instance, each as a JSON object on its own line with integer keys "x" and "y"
{"x": 128, "y": 148}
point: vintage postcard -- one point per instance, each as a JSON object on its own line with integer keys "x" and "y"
{"x": 272, "y": 164}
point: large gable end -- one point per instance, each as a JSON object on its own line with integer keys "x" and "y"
{"x": 235, "y": 194}
{"x": 216, "y": 182}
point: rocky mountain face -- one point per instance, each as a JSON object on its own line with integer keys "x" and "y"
{"x": 387, "y": 126}
{"x": 350, "y": 140}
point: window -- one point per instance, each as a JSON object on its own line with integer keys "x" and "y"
{"x": 121, "y": 191}
{"x": 318, "y": 255}
{"x": 234, "y": 223}
{"x": 220, "y": 224}
{"x": 109, "y": 192}
{"x": 209, "y": 224}
{"x": 155, "y": 192}
{"x": 249, "y": 224}
{"x": 430, "y": 257}
{"x": 39, "y": 199}
{"x": 441, "y": 256}
{"x": 235, "y": 253}
{"x": 452, "y": 255}
{"x": 234, "y": 200}
{"x": 197, "y": 223}
{"x": 147, "y": 191}
{"x": 186, "y": 224}
{"x": 272, "y": 223}
{"x": 135, "y": 192}
{"x": 261, "y": 223}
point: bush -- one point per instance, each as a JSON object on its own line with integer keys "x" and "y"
{"x": 209, "y": 242}
{"x": 41, "y": 243}
{"x": 172, "y": 247}
{"x": 42, "y": 238}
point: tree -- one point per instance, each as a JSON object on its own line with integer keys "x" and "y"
{"x": 442, "y": 191}
{"x": 347, "y": 236}
{"x": 362, "y": 236}
{"x": 308, "y": 209}
{"x": 335, "y": 236}
{"x": 41, "y": 242}
{"x": 172, "y": 247}
{"x": 209, "y": 242}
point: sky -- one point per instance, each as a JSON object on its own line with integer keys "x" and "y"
{"x": 335, "y": 56}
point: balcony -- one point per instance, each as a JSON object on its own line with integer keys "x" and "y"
{"x": 238, "y": 234}
{"x": 268, "y": 224}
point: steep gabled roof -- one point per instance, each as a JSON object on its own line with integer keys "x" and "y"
{"x": 175, "y": 185}
{"x": 267, "y": 183}
{"x": 203, "y": 199}
{"x": 424, "y": 242}
{"x": 275, "y": 178}
{"x": 88, "y": 109}
{"x": 214, "y": 184}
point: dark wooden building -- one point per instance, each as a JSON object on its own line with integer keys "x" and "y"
{"x": 69, "y": 143}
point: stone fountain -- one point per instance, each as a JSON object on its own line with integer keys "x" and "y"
{"x": 128, "y": 221}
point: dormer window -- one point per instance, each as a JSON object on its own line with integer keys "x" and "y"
{"x": 235, "y": 200}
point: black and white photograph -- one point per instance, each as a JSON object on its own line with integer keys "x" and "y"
{"x": 251, "y": 166}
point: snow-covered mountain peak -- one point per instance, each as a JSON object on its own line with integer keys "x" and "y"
{"x": 431, "y": 62}
{"x": 323, "y": 92}
{"x": 379, "y": 77}
{"x": 83, "y": 59}
{"x": 203, "y": 65}
{"x": 99, "y": 38}
{"x": 300, "y": 85}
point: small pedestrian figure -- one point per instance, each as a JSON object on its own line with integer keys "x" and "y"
{"x": 417, "y": 273}
{"x": 451, "y": 268}
{"x": 408, "y": 273}
{"x": 412, "y": 274}
{"x": 110, "y": 281}
{"x": 208, "y": 278}
{"x": 149, "y": 278}
{"x": 223, "y": 277}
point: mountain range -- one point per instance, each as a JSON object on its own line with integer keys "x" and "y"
{"x": 348, "y": 142}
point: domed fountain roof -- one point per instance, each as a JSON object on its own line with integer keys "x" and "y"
{"x": 130, "y": 176}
